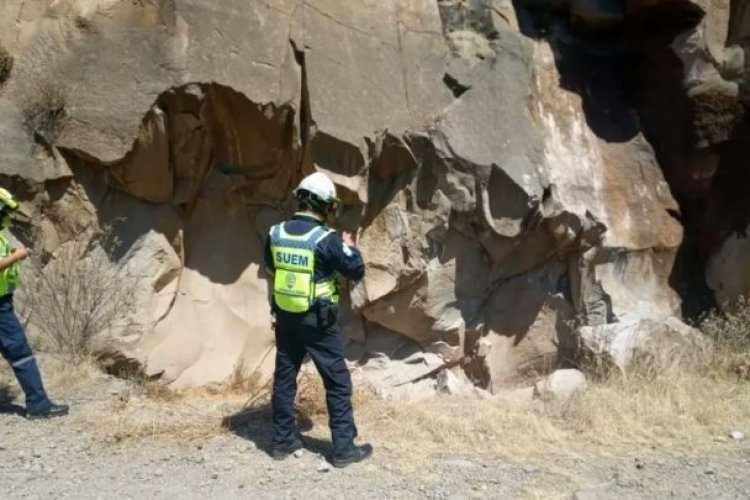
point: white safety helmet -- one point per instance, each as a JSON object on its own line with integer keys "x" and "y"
{"x": 7, "y": 200}
{"x": 320, "y": 186}
{"x": 8, "y": 204}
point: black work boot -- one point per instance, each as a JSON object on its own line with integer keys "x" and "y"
{"x": 281, "y": 451}
{"x": 50, "y": 411}
{"x": 353, "y": 455}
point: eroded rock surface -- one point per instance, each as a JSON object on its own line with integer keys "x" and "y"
{"x": 506, "y": 178}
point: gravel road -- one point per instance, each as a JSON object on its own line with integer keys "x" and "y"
{"x": 62, "y": 458}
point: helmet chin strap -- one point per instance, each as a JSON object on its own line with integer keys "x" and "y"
{"x": 315, "y": 204}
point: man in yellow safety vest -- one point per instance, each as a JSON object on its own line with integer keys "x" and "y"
{"x": 304, "y": 255}
{"x": 13, "y": 343}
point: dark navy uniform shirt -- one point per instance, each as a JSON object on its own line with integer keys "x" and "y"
{"x": 331, "y": 255}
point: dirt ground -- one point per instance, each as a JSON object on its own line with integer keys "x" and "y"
{"x": 121, "y": 442}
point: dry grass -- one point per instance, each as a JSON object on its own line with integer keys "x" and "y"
{"x": 78, "y": 292}
{"x": 679, "y": 410}
{"x": 149, "y": 410}
{"x": 730, "y": 332}
{"x": 666, "y": 402}
{"x": 135, "y": 416}
{"x": 311, "y": 397}
{"x": 44, "y": 110}
{"x": 662, "y": 405}
{"x": 61, "y": 377}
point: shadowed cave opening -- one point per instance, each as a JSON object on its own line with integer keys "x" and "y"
{"x": 631, "y": 80}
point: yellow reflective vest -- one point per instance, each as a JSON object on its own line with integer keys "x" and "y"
{"x": 294, "y": 287}
{"x": 10, "y": 277}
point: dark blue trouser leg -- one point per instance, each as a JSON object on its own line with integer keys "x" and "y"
{"x": 295, "y": 336}
{"x": 289, "y": 355}
{"x": 327, "y": 352}
{"x": 15, "y": 348}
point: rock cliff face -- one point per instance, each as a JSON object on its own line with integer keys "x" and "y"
{"x": 511, "y": 169}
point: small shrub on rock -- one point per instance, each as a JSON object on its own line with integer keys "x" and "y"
{"x": 44, "y": 112}
{"x": 75, "y": 294}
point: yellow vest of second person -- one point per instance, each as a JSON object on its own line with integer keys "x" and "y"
{"x": 294, "y": 288}
{"x": 10, "y": 277}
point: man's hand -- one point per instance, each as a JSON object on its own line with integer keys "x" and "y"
{"x": 20, "y": 254}
{"x": 347, "y": 238}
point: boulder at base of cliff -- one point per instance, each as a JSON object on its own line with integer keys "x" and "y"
{"x": 626, "y": 343}
{"x": 563, "y": 383}
{"x": 560, "y": 384}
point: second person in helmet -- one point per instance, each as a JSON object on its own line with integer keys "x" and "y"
{"x": 14, "y": 346}
{"x": 304, "y": 256}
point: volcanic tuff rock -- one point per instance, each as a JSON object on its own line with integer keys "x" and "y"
{"x": 501, "y": 176}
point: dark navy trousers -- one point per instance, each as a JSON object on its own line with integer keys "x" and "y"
{"x": 314, "y": 333}
{"x": 16, "y": 350}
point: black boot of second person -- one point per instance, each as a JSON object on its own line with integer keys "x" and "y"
{"x": 356, "y": 453}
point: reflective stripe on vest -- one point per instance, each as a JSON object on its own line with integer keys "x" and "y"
{"x": 10, "y": 276}
{"x": 294, "y": 262}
